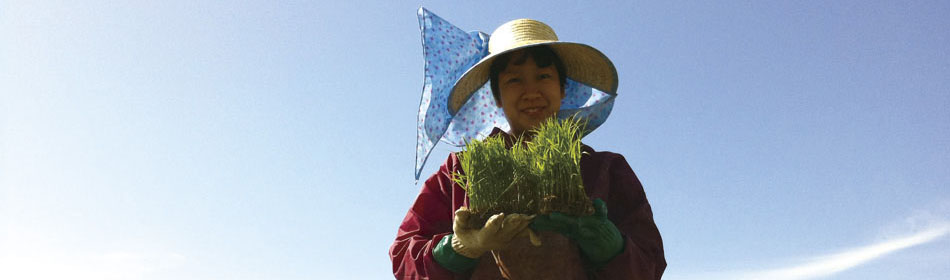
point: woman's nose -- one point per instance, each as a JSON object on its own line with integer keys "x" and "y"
{"x": 532, "y": 89}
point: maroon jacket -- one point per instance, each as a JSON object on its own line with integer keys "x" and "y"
{"x": 606, "y": 176}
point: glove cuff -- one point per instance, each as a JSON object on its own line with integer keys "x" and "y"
{"x": 449, "y": 258}
{"x": 604, "y": 259}
{"x": 466, "y": 251}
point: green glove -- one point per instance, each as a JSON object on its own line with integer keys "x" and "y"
{"x": 598, "y": 238}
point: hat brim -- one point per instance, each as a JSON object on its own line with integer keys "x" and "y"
{"x": 582, "y": 63}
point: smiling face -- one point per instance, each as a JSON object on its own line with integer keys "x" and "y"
{"x": 528, "y": 94}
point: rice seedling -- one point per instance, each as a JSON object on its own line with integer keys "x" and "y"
{"x": 539, "y": 176}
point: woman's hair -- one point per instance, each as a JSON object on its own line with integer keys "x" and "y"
{"x": 543, "y": 56}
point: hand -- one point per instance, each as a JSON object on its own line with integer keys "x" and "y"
{"x": 598, "y": 238}
{"x": 497, "y": 232}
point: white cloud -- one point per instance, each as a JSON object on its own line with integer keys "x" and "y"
{"x": 835, "y": 263}
{"x": 84, "y": 265}
{"x": 920, "y": 228}
{"x": 26, "y": 255}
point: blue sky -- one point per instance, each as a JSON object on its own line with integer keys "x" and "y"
{"x": 263, "y": 140}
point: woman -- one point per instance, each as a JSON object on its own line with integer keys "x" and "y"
{"x": 528, "y": 69}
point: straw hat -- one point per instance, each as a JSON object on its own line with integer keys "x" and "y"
{"x": 582, "y": 63}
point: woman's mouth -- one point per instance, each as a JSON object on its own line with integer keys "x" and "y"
{"x": 532, "y": 111}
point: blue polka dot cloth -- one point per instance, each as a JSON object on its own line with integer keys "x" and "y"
{"x": 448, "y": 53}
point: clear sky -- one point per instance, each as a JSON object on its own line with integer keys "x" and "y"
{"x": 275, "y": 140}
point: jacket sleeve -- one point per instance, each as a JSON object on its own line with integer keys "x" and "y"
{"x": 428, "y": 220}
{"x": 627, "y": 207}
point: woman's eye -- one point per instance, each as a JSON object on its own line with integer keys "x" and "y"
{"x": 544, "y": 76}
{"x": 513, "y": 80}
